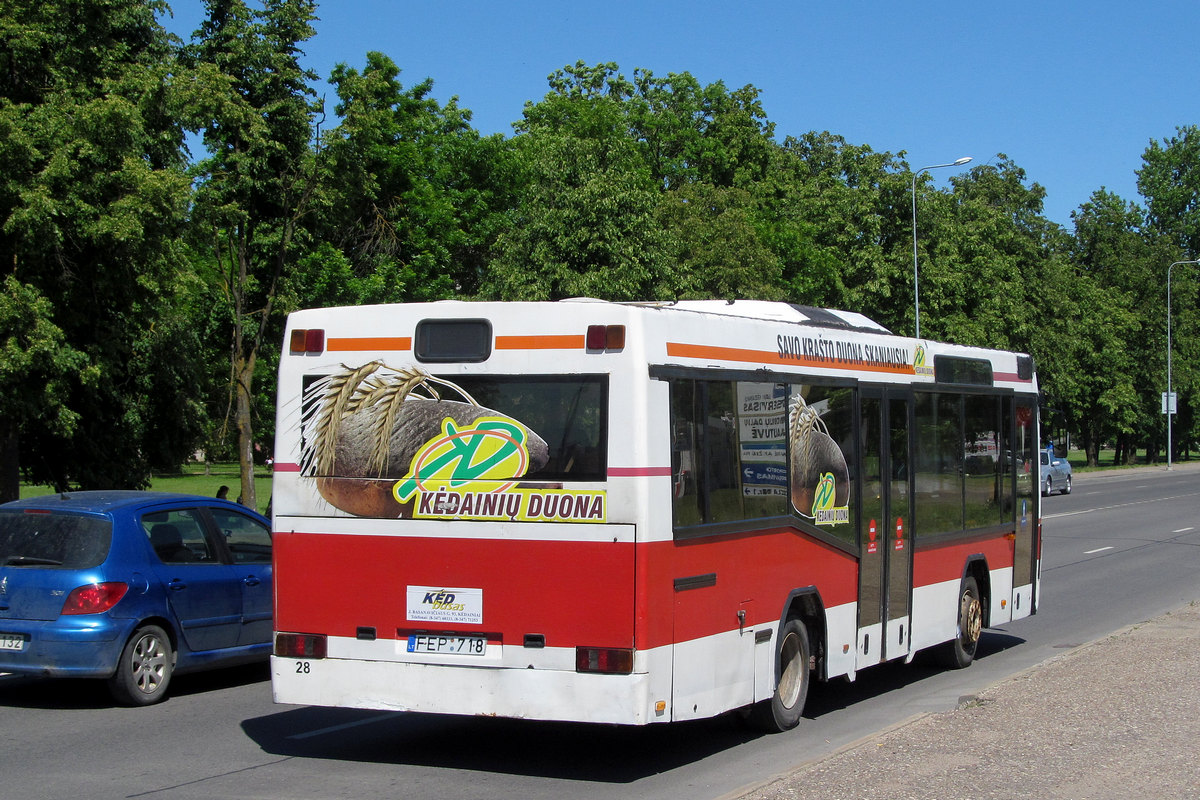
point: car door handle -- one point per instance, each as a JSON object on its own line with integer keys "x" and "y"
{"x": 251, "y": 580}
{"x": 176, "y": 585}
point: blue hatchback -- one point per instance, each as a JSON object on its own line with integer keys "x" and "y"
{"x": 132, "y": 587}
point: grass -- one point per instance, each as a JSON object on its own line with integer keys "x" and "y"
{"x": 201, "y": 479}
{"x": 1078, "y": 459}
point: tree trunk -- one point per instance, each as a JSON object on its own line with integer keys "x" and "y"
{"x": 10, "y": 474}
{"x": 245, "y": 430}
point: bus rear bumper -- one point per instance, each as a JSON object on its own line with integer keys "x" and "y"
{"x": 477, "y": 691}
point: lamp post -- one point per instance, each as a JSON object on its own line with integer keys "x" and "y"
{"x": 916, "y": 285}
{"x": 1168, "y": 402}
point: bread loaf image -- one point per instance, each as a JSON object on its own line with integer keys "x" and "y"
{"x": 364, "y": 426}
{"x": 814, "y": 454}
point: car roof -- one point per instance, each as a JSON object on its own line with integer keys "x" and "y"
{"x": 107, "y": 501}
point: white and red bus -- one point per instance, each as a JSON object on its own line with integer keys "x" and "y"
{"x": 638, "y": 512}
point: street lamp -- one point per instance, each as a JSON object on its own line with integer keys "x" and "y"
{"x": 916, "y": 286}
{"x": 1168, "y": 402}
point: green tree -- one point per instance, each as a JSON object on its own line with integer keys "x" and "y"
{"x": 1169, "y": 180}
{"x": 408, "y": 192}
{"x": 584, "y": 218}
{"x": 836, "y": 216}
{"x": 253, "y": 103}
{"x": 713, "y": 248}
{"x": 1094, "y": 353}
{"x": 93, "y": 195}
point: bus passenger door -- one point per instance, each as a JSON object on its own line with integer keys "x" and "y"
{"x": 885, "y": 554}
{"x": 897, "y": 638}
{"x": 1028, "y": 495}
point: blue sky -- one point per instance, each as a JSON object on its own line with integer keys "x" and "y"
{"x": 1071, "y": 91}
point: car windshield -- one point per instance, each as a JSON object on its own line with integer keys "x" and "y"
{"x": 43, "y": 539}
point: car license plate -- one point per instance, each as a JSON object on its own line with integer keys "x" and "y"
{"x": 443, "y": 644}
{"x": 12, "y": 641}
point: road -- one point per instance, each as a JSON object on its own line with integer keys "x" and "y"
{"x": 1124, "y": 547}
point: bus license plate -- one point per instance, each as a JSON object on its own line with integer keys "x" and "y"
{"x": 12, "y": 641}
{"x": 441, "y": 645}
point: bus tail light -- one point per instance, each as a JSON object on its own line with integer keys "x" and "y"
{"x": 610, "y": 660}
{"x": 300, "y": 645}
{"x": 605, "y": 337}
{"x": 311, "y": 340}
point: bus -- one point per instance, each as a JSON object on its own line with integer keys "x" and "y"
{"x": 636, "y": 513}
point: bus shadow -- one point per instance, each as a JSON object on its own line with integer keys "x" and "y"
{"x": 550, "y": 750}
{"x": 555, "y": 750}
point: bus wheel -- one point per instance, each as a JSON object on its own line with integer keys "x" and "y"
{"x": 782, "y": 711}
{"x": 960, "y": 651}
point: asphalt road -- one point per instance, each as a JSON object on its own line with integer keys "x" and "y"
{"x": 1122, "y": 548}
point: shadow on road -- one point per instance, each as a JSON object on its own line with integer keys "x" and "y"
{"x": 31, "y": 691}
{"x": 567, "y": 751}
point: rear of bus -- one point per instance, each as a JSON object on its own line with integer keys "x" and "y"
{"x": 447, "y": 537}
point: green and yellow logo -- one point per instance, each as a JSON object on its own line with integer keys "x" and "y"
{"x": 490, "y": 449}
{"x": 919, "y": 367}
{"x": 825, "y": 511}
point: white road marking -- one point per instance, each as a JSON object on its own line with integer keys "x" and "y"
{"x": 1118, "y": 505}
{"x": 1183, "y": 530}
{"x": 344, "y": 726}
{"x": 1097, "y": 550}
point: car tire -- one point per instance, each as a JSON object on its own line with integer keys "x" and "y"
{"x": 145, "y": 668}
{"x": 1048, "y": 487}
{"x": 1067, "y": 488}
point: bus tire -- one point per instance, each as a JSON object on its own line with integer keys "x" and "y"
{"x": 144, "y": 671}
{"x": 782, "y": 711}
{"x": 959, "y": 652}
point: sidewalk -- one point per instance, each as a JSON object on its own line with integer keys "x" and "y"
{"x": 1116, "y": 718}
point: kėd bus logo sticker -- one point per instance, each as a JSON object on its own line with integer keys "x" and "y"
{"x": 467, "y": 473}
{"x": 439, "y": 604}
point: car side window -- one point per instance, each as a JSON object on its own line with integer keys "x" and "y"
{"x": 177, "y": 537}
{"x": 248, "y": 540}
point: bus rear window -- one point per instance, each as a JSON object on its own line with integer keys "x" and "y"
{"x": 446, "y": 340}
{"x": 570, "y": 413}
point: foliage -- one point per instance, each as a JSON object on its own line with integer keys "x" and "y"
{"x": 143, "y": 303}
{"x": 92, "y": 201}
{"x": 252, "y": 101}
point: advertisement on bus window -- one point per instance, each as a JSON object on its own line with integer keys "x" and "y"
{"x": 399, "y": 442}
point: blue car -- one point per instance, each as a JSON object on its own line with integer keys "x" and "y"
{"x": 132, "y": 587}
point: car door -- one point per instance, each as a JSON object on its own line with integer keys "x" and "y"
{"x": 204, "y": 593}
{"x": 248, "y": 542}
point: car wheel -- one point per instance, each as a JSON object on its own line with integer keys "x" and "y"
{"x": 144, "y": 671}
{"x": 1067, "y": 487}
{"x": 1048, "y": 488}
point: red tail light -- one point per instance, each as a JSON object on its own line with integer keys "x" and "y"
{"x": 611, "y": 660}
{"x": 95, "y": 598}
{"x": 300, "y": 645}
{"x": 605, "y": 337}
{"x": 311, "y": 340}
